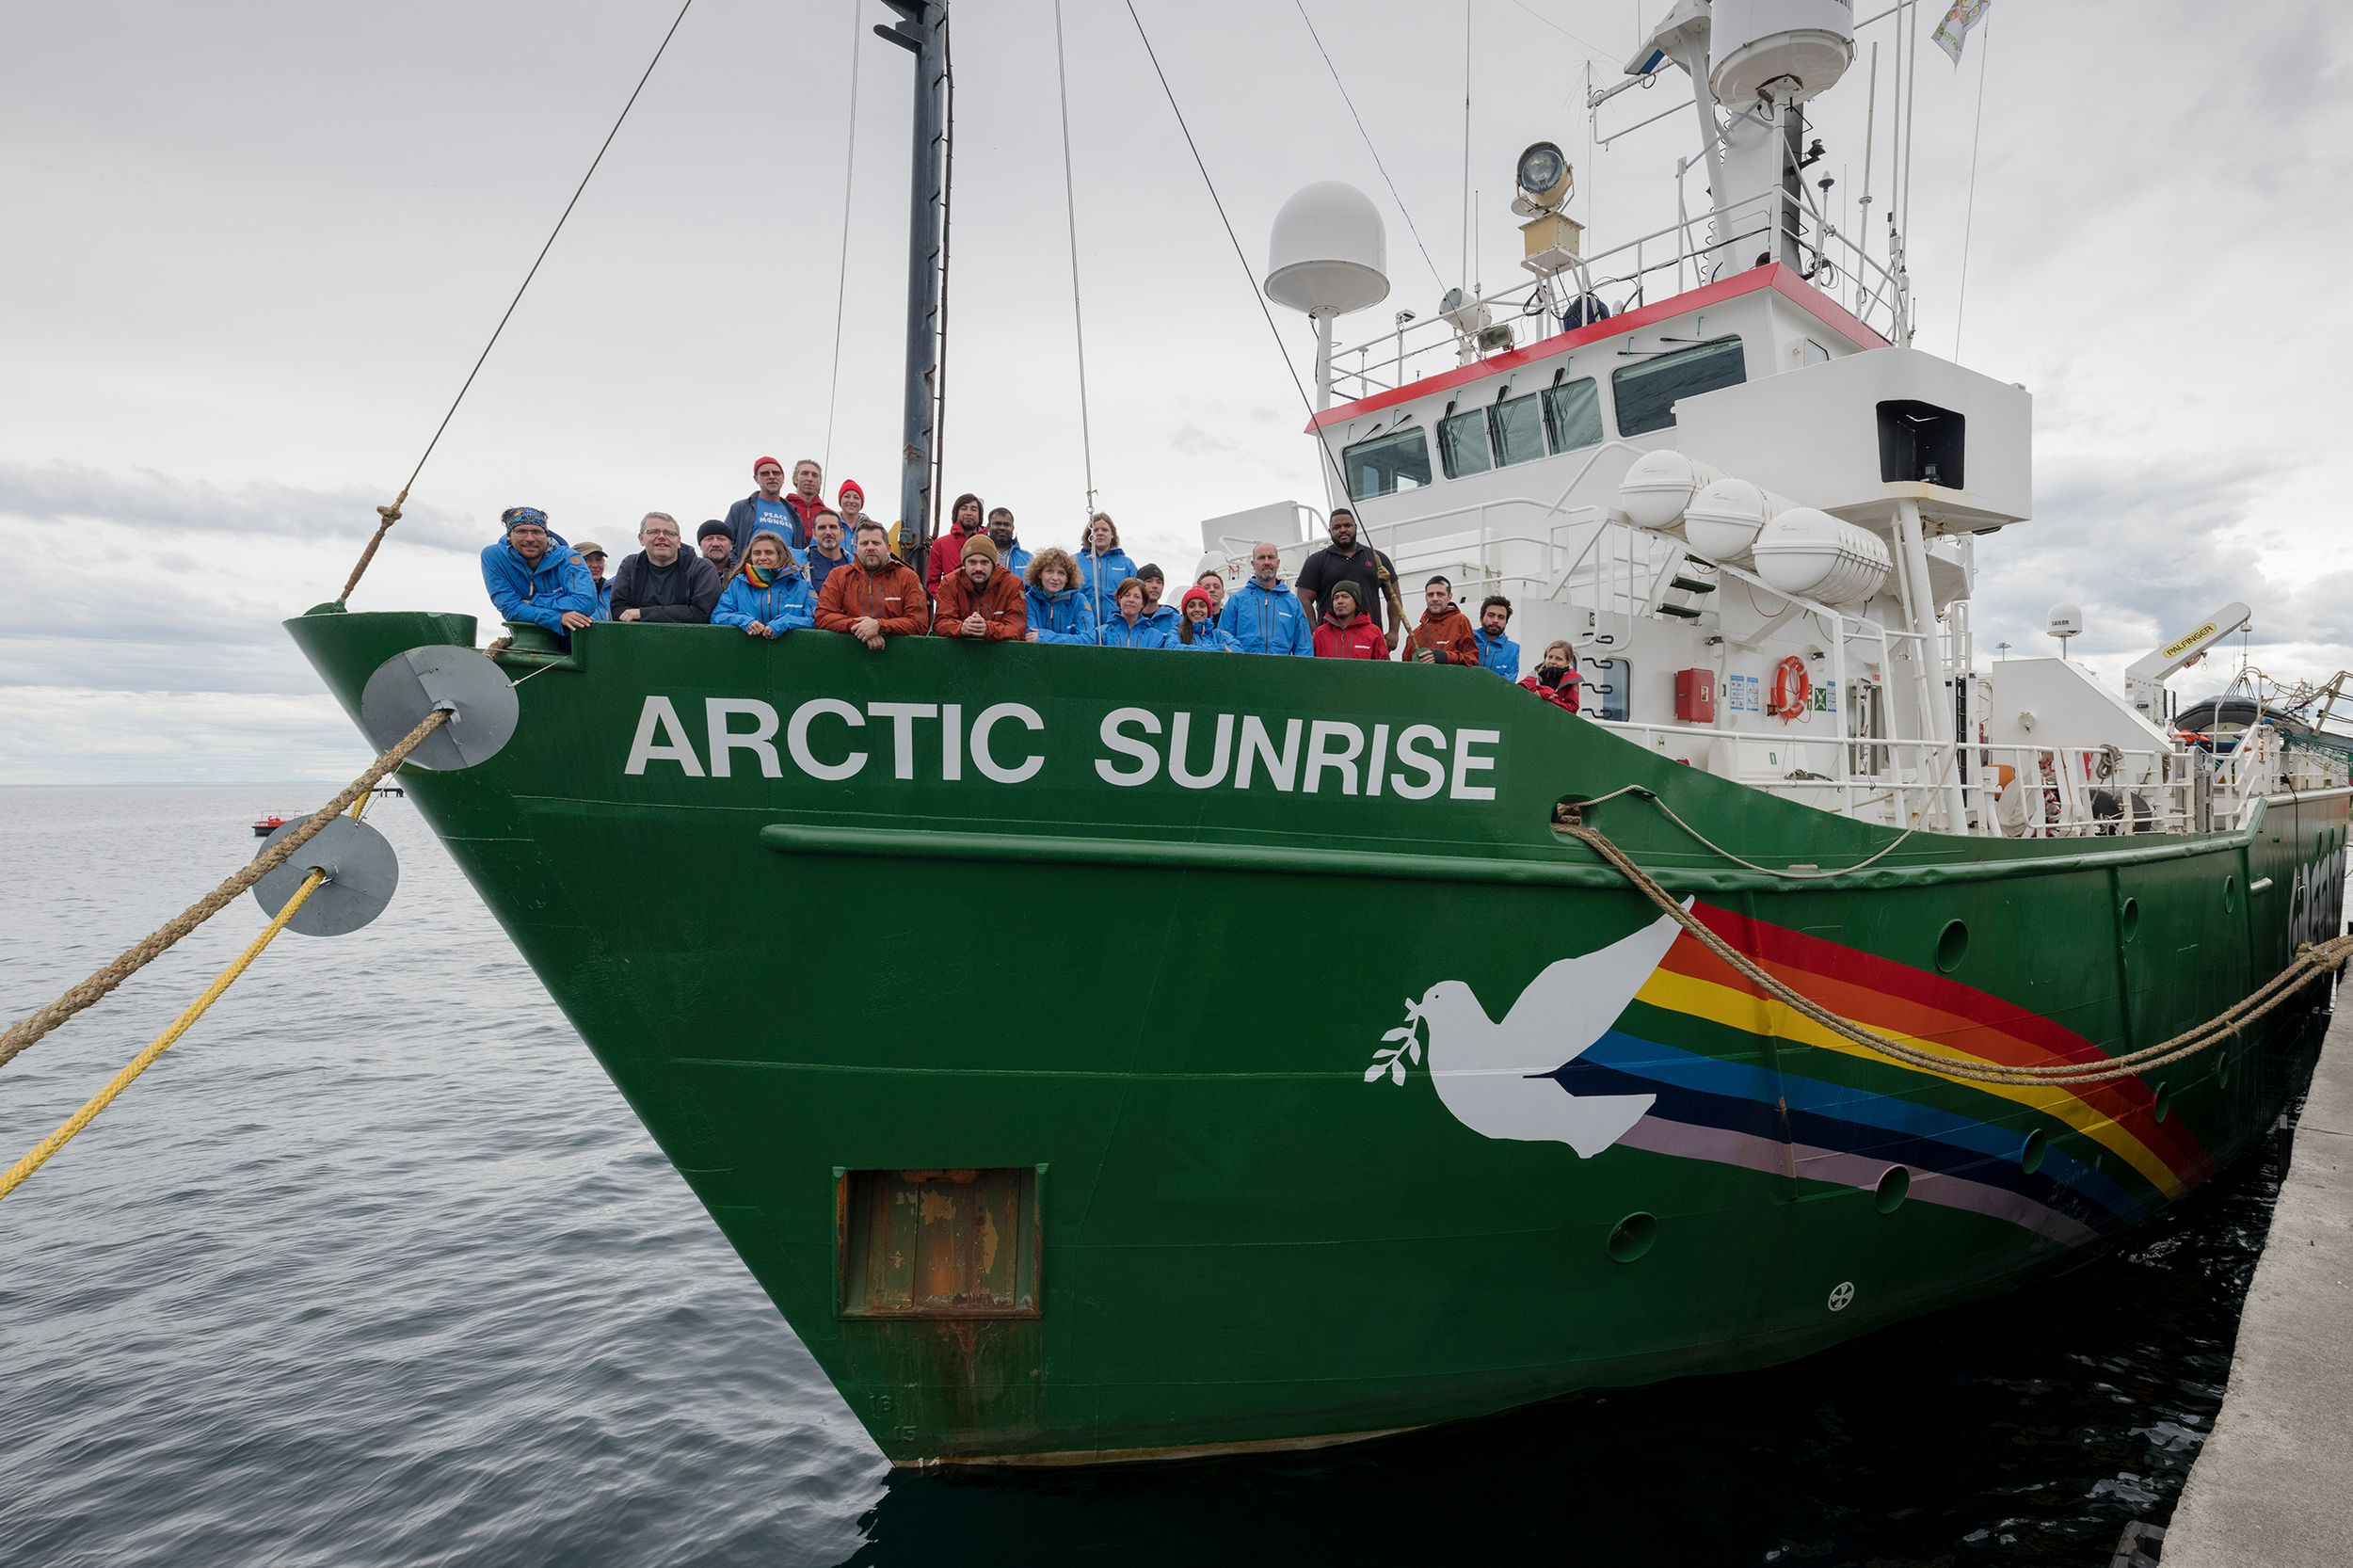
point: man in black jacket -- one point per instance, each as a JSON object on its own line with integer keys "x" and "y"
{"x": 664, "y": 583}
{"x": 1345, "y": 561}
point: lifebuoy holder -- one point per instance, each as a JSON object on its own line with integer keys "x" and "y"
{"x": 1792, "y": 687}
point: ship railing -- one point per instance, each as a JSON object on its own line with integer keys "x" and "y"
{"x": 1531, "y": 312}
{"x": 2068, "y": 791}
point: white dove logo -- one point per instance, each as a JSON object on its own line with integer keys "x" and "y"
{"x": 1496, "y": 1077}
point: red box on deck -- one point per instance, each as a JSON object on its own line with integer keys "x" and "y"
{"x": 1695, "y": 697}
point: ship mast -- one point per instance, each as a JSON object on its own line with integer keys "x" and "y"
{"x": 922, "y": 32}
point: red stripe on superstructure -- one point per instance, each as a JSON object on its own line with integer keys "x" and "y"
{"x": 1927, "y": 1006}
{"x": 1777, "y": 278}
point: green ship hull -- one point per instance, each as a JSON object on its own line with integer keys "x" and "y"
{"x": 1099, "y": 1056}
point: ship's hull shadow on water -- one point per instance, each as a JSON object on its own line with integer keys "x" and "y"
{"x": 1170, "y": 1057}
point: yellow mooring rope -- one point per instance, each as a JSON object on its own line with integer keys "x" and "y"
{"x": 14, "y": 1177}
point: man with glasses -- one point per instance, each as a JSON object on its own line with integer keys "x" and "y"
{"x": 663, "y": 581}
{"x": 767, "y": 509}
{"x": 532, "y": 575}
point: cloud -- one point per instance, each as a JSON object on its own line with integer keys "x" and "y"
{"x": 163, "y": 506}
{"x": 64, "y": 735}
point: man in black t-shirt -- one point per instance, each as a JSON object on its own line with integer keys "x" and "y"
{"x": 1344, "y": 561}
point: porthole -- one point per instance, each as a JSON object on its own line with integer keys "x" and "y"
{"x": 1950, "y": 945}
{"x": 2165, "y": 1100}
{"x": 1634, "y": 1237}
{"x": 1895, "y": 1186}
{"x": 2131, "y": 921}
{"x": 2030, "y": 1153}
{"x": 2229, "y": 894}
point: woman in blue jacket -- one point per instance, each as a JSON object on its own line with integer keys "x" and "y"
{"x": 1130, "y": 627}
{"x": 768, "y": 595}
{"x": 1198, "y": 631}
{"x": 1058, "y": 613}
{"x": 1103, "y": 568}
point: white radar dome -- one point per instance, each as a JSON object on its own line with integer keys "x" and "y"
{"x": 1755, "y": 42}
{"x": 1815, "y": 555}
{"x": 2067, "y": 620}
{"x": 1329, "y": 253}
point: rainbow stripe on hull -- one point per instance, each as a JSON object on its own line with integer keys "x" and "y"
{"x": 1748, "y": 1103}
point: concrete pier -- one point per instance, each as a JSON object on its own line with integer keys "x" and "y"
{"x": 2273, "y": 1487}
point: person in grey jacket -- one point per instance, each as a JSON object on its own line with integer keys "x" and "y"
{"x": 663, "y": 581}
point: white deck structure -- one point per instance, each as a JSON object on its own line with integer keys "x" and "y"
{"x": 1748, "y": 482}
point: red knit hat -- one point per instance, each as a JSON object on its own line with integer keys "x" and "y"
{"x": 847, "y": 485}
{"x": 1192, "y": 594}
{"x": 760, "y": 463}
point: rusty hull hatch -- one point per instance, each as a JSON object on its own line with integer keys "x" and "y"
{"x": 938, "y": 1244}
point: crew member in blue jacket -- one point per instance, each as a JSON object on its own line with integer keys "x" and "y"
{"x": 1197, "y": 632}
{"x": 532, "y": 575}
{"x": 1155, "y": 584}
{"x": 1103, "y": 568}
{"x": 1130, "y": 628}
{"x": 1497, "y": 651}
{"x": 1058, "y": 613}
{"x": 1264, "y": 616}
{"x": 1009, "y": 551}
{"x": 769, "y": 594}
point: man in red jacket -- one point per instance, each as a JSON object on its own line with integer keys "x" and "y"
{"x": 948, "y": 549}
{"x": 1346, "y": 633}
{"x": 980, "y": 600}
{"x": 1445, "y": 635}
{"x": 876, "y": 597}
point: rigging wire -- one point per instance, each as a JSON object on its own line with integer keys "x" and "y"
{"x": 842, "y": 283}
{"x": 1352, "y": 114}
{"x": 1070, "y": 214}
{"x": 391, "y": 514}
{"x": 947, "y": 225}
{"x": 1323, "y": 444}
{"x": 1985, "y": 58}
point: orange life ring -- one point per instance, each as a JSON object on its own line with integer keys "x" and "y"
{"x": 1791, "y": 688}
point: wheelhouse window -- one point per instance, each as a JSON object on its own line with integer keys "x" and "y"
{"x": 1646, "y": 393}
{"x": 1463, "y": 443}
{"x": 1573, "y": 415}
{"x": 1516, "y": 427}
{"x": 1388, "y": 464}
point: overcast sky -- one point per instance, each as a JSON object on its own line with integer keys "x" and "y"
{"x": 253, "y": 248}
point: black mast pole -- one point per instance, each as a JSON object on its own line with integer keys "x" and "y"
{"x": 922, "y": 33}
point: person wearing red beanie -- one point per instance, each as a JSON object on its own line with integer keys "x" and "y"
{"x": 767, "y": 509}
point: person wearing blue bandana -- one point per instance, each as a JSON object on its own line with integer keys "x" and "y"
{"x": 533, "y": 576}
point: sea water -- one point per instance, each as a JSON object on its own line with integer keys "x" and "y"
{"x": 375, "y": 1267}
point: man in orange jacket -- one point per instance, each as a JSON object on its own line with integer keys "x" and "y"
{"x": 979, "y": 600}
{"x": 1445, "y": 635}
{"x": 875, "y": 597}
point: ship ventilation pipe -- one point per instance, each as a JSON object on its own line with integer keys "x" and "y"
{"x": 1814, "y": 555}
{"x": 1723, "y": 521}
{"x": 1660, "y": 485}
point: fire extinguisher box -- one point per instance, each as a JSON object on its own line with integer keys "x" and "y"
{"x": 1695, "y": 697}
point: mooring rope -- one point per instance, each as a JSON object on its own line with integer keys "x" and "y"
{"x": 2311, "y": 961}
{"x": 14, "y": 1175}
{"x": 25, "y": 1031}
